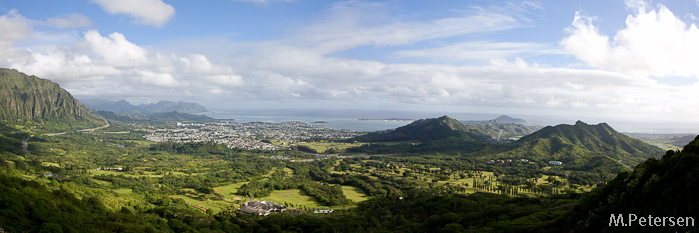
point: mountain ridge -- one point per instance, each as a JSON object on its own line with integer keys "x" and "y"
{"x": 123, "y": 106}
{"x": 582, "y": 147}
{"x": 429, "y": 129}
{"x": 662, "y": 188}
{"x": 35, "y": 100}
{"x": 173, "y": 116}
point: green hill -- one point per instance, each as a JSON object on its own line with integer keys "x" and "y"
{"x": 665, "y": 188}
{"x": 501, "y": 131}
{"x": 582, "y": 147}
{"x": 442, "y": 134}
{"x": 33, "y": 101}
{"x": 430, "y": 129}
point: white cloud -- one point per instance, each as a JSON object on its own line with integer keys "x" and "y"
{"x": 69, "y": 21}
{"x": 14, "y": 28}
{"x": 63, "y": 66}
{"x": 354, "y": 24}
{"x": 147, "y": 12}
{"x": 654, "y": 43}
{"x": 115, "y": 50}
{"x": 225, "y": 80}
{"x": 304, "y": 69}
{"x": 156, "y": 79}
{"x": 478, "y": 50}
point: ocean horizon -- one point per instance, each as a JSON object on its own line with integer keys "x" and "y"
{"x": 349, "y": 119}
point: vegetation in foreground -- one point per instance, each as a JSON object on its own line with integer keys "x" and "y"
{"x": 196, "y": 187}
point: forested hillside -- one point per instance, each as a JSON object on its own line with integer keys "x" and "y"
{"x": 583, "y": 147}
{"x": 663, "y": 188}
{"x": 33, "y": 101}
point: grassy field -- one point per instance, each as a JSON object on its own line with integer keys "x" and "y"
{"x": 321, "y": 147}
{"x": 124, "y": 191}
{"x": 354, "y": 194}
{"x": 215, "y": 206}
{"x": 292, "y": 196}
{"x": 228, "y": 191}
{"x": 140, "y": 142}
{"x": 288, "y": 171}
{"x": 102, "y": 182}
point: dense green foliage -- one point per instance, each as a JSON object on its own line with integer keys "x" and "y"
{"x": 659, "y": 188}
{"x": 435, "y": 175}
{"x": 410, "y": 193}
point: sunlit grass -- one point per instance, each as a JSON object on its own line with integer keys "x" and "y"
{"x": 292, "y": 196}
{"x": 353, "y": 193}
{"x": 228, "y": 191}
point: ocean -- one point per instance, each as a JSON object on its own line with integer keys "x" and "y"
{"x": 349, "y": 119}
{"x": 336, "y": 119}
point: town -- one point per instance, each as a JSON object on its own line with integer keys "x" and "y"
{"x": 252, "y": 135}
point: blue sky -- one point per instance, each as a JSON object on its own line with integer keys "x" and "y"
{"x": 617, "y": 59}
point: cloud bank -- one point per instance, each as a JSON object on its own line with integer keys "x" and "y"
{"x": 304, "y": 66}
{"x": 655, "y": 42}
{"x": 153, "y": 13}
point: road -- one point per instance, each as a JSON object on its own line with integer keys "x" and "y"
{"x": 25, "y": 143}
{"x": 82, "y": 130}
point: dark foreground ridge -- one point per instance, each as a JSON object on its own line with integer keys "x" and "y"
{"x": 658, "y": 191}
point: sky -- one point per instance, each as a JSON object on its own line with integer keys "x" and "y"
{"x": 633, "y": 59}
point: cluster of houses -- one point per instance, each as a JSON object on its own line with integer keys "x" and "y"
{"x": 555, "y": 163}
{"x": 505, "y": 161}
{"x": 246, "y": 135}
{"x": 552, "y": 163}
{"x": 262, "y": 208}
{"x": 190, "y": 124}
{"x": 110, "y": 168}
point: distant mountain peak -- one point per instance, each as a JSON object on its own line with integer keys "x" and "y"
{"x": 421, "y": 130}
{"x": 163, "y": 106}
{"x": 509, "y": 120}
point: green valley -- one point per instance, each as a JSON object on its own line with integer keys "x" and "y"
{"x": 172, "y": 173}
